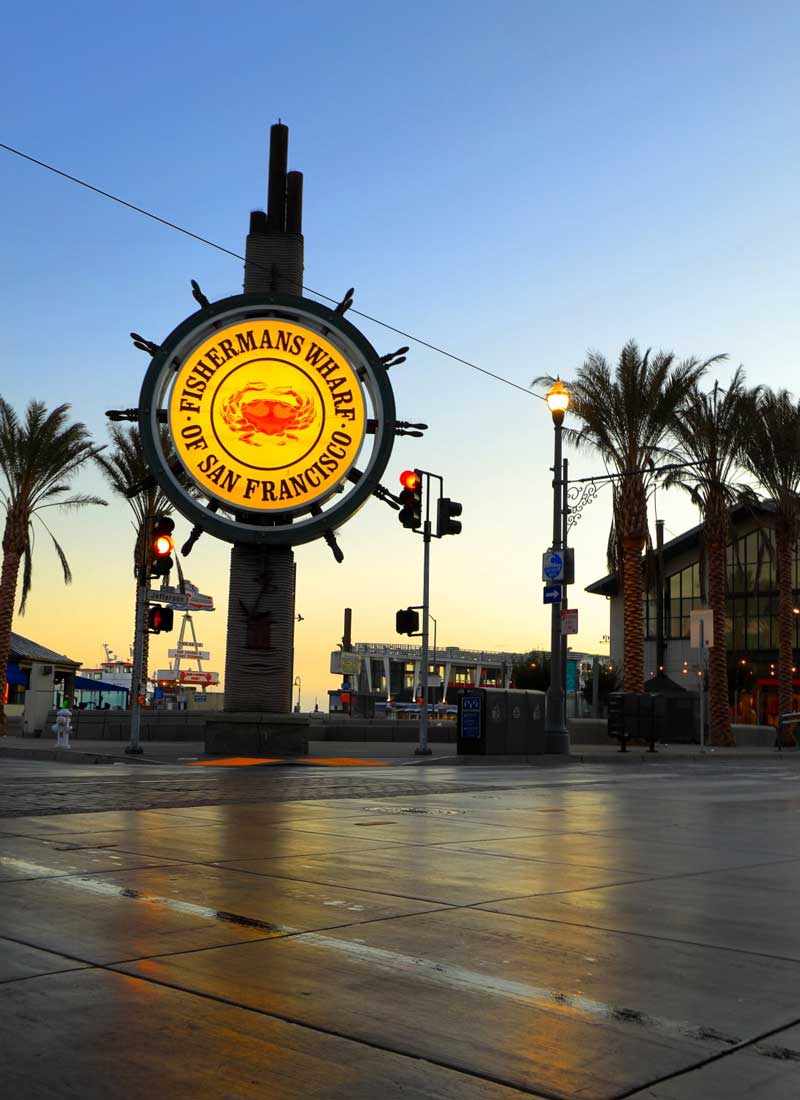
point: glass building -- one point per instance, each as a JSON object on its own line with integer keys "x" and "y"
{"x": 751, "y": 619}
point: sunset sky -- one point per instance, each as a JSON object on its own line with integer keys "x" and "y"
{"x": 516, "y": 185}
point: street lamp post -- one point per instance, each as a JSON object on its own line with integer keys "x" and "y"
{"x": 556, "y": 734}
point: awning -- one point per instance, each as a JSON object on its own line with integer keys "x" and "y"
{"x": 15, "y": 675}
{"x": 83, "y": 683}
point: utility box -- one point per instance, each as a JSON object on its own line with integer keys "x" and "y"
{"x": 652, "y": 716}
{"x": 500, "y": 721}
{"x": 678, "y": 718}
{"x": 631, "y": 716}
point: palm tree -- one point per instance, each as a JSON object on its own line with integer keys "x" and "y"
{"x": 708, "y": 430}
{"x": 125, "y": 467}
{"x": 626, "y": 419}
{"x": 39, "y": 456}
{"x": 771, "y": 453}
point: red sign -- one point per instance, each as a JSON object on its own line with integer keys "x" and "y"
{"x": 569, "y": 620}
{"x": 192, "y": 677}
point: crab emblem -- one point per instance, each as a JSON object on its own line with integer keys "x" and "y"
{"x": 278, "y": 413}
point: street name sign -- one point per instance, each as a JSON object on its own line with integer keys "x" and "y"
{"x": 190, "y": 600}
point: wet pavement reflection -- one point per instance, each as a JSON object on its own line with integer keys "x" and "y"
{"x": 576, "y": 932}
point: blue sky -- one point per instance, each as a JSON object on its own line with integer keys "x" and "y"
{"x": 516, "y": 184}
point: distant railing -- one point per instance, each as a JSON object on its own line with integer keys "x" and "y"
{"x": 392, "y": 649}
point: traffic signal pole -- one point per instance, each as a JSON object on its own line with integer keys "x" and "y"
{"x": 133, "y": 747}
{"x": 422, "y": 748}
{"x": 416, "y": 490}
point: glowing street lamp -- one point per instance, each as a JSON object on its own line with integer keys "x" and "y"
{"x": 557, "y": 398}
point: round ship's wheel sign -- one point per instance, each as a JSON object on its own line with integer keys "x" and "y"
{"x": 279, "y": 419}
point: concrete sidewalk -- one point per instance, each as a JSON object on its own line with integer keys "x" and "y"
{"x": 173, "y": 752}
{"x": 398, "y": 753}
{"x": 595, "y": 933}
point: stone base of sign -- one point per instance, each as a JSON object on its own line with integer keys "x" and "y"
{"x": 257, "y": 734}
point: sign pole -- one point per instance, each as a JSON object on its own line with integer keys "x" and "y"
{"x": 556, "y": 735}
{"x": 701, "y": 636}
{"x": 702, "y": 685}
{"x": 565, "y": 598}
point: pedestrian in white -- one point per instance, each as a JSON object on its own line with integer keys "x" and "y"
{"x": 62, "y": 727}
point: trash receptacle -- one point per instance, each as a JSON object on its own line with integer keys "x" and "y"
{"x": 470, "y": 734}
{"x": 498, "y": 721}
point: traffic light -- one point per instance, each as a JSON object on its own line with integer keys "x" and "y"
{"x": 407, "y": 621}
{"x": 161, "y": 546}
{"x": 446, "y": 524}
{"x": 411, "y": 499}
{"x": 159, "y": 619}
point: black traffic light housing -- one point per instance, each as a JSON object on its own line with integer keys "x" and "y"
{"x": 407, "y": 621}
{"x": 411, "y": 499}
{"x": 446, "y": 523}
{"x": 159, "y": 619}
{"x": 161, "y": 546}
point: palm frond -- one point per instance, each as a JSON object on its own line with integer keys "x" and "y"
{"x": 61, "y": 555}
{"x": 76, "y": 501}
{"x": 27, "y": 575}
{"x": 40, "y": 454}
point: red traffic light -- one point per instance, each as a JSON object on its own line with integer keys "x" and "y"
{"x": 163, "y": 545}
{"x": 159, "y": 618}
{"x": 410, "y": 479}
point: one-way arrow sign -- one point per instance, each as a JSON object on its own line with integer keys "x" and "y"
{"x": 552, "y": 593}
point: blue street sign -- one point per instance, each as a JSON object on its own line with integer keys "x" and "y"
{"x": 553, "y": 566}
{"x": 552, "y": 593}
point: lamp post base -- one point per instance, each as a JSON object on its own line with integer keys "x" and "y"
{"x": 556, "y": 742}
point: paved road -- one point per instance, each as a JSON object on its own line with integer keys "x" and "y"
{"x": 28, "y": 787}
{"x": 459, "y": 933}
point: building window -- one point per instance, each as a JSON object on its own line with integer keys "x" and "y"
{"x": 752, "y": 605}
{"x": 683, "y": 597}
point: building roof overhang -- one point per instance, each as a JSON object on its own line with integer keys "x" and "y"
{"x": 689, "y": 540}
{"x": 24, "y": 650}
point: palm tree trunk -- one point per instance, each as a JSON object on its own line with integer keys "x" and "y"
{"x": 8, "y": 594}
{"x": 719, "y": 709}
{"x": 633, "y": 666}
{"x": 783, "y": 545}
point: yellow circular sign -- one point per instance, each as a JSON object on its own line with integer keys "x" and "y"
{"x": 267, "y": 415}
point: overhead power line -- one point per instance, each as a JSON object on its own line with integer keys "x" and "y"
{"x": 238, "y": 256}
